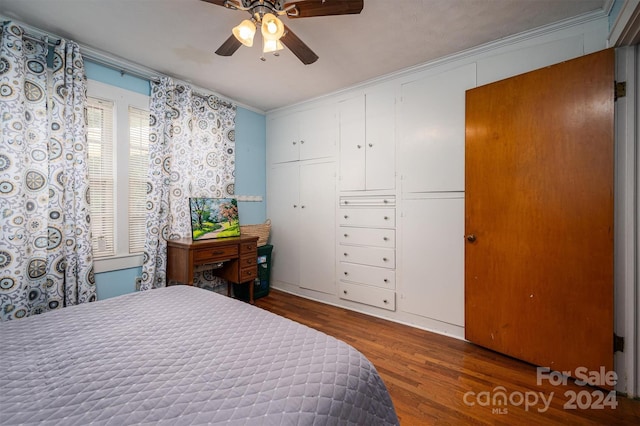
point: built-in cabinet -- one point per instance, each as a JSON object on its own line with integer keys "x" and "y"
{"x": 367, "y": 140}
{"x": 400, "y": 139}
{"x": 302, "y": 212}
{"x": 366, "y": 250}
{"x": 303, "y": 135}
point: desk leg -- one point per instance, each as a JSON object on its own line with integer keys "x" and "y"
{"x": 250, "y": 284}
{"x": 229, "y": 288}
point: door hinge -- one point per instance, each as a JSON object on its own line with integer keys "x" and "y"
{"x": 618, "y": 343}
{"x": 620, "y": 90}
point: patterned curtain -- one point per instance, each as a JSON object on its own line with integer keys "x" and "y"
{"x": 45, "y": 245}
{"x": 192, "y": 154}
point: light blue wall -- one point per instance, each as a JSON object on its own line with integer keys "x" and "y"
{"x": 250, "y": 170}
{"x": 251, "y": 164}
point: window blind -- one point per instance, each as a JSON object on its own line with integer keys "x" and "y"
{"x": 138, "y": 167}
{"x": 101, "y": 175}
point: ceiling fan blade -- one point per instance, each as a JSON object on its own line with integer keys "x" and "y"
{"x": 310, "y": 8}
{"x": 297, "y": 46}
{"x": 229, "y": 47}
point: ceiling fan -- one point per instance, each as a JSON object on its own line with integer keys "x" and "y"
{"x": 265, "y": 13}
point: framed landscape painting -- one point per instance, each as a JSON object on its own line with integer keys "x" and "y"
{"x": 214, "y": 218}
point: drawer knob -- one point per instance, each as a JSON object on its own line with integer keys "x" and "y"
{"x": 345, "y": 235}
{"x": 302, "y": 206}
{"x": 295, "y": 205}
{"x": 344, "y": 291}
{"x": 386, "y": 280}
{"x": 385, "y": 201}
{"x": 385, "y": 301}
{"x": 370, "y": 145}
{"x": 218, "y": 252}
{"x": 302, "y": 142}
{"x": 385, "y": 238}
{"x": 384, "y": 259}
{"x": 345, "y": 216}
{"x": 345, "y": 254}
{"x": 386, "y": 218}
{"x": 346, "y": 202}
{"x": 359, "y": 146}
{"x": 294, "y": 142}
{"x": 346, "y": 273}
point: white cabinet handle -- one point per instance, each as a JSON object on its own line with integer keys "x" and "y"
{"x": 370, "y": 145}
{"x": 294, "y": 142}
{"x": 302, "y": 142}
{"x": 302, "y": 206}
{"x": 295, "y": 205}
{"x": 359, "y": 146}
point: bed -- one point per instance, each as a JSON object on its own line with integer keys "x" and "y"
{"x": 181, "y": 355}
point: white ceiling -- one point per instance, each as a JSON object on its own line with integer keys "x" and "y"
{"x": 178, "y": 38}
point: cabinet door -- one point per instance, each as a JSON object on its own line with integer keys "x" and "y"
{"x": 283, "y": 210}
{"x": 317, "y": 132}
{"x": 432, "y": 261}
{"x": 283, "y": 143}
{"x": 317, "y": 227}
{"x": 432, "y": 131}
{"x": 352, "y": 144}
{"x": 380, "y": 138}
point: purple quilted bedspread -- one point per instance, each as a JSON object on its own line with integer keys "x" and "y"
{"x": 182, "y": 356}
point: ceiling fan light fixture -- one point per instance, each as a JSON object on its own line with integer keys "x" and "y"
{"x": 245, "y": 32}
{"x": 271, "y": 46}
{"x": 272, "y": 28}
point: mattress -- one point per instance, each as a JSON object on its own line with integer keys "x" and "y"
{"x": 181, "y": 355}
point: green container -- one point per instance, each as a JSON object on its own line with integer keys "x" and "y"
{"x": 262, "y": 282}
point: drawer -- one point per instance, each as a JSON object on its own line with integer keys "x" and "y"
{"x": 251, "y": 247}
{"x": 372, "y": 275}
{"x": 248, "y": 274}
{"x": 214, "y": 254}
{"x": 373, "y": 256}
{"x": 373, "y": 218}
{"x": 379, "y": 297}
{"x": 373, "y": 201}
{"x": 247, "y": 261}
{"x": 367, "y": 236}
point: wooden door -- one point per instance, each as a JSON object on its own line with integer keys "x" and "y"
{"x": 539, "y": 203}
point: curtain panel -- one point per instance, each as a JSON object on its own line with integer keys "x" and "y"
{"x": 191, "y": 154}
{"x": 46, "y": 259}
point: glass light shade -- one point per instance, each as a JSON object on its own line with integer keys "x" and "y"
{"x": 272, "y": 28}
{"x": 269, "y": 46}
{"x": 245, "y": 32}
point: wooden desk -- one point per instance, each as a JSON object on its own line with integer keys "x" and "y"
{"x": 236, "y": 254}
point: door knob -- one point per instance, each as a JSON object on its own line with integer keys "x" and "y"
{"x": 471, "y": 238}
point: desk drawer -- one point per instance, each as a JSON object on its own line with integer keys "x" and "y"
{"x": 248, "y": 261}
{"x": 214, "y": 254}
{"x": 248, "y": 274}
{"x": 251, "y": 247}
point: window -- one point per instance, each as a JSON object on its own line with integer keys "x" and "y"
{"x": 118, "y": 136}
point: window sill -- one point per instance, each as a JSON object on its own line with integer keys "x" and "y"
{"x": 107, "y": 264}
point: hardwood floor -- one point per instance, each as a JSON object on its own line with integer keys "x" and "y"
{"x": 435, "y": 379}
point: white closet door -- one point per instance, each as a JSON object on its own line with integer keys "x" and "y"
{"x": 432, "y": 261}
{"x": 432, "y": 131}
{"x": 283, "y": 205}
{"x": 317, "y": 227}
